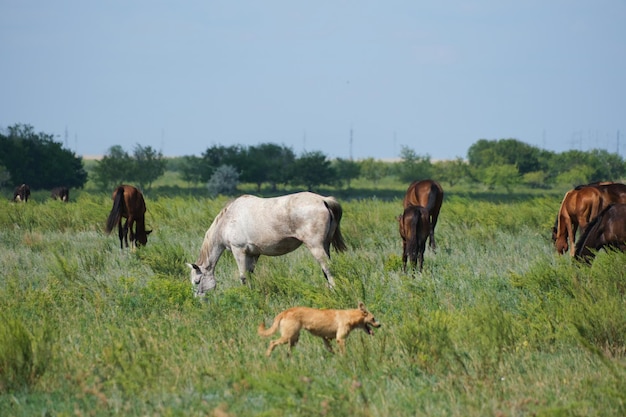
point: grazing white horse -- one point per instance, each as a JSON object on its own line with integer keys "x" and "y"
{"x": 250, "y": 226}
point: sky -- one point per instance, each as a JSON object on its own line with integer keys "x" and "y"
{"x": 352, "y": 79}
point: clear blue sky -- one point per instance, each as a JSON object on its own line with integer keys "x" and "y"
{"x": 435, "y": 76}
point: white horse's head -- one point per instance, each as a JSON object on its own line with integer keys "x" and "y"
{"x": 202, "y": 279}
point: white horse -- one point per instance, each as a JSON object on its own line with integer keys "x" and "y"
{"x": 250, "y": 226}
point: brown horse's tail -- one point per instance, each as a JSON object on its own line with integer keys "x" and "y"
{"x": 591, "y": 231}
{"x": 116, "y": 211}
{"x": 433, "y": 196}
{"x": 336, "y": 212}
{"x": 268, "y": 332}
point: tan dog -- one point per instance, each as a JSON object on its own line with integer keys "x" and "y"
{"x": 327, "y": 324}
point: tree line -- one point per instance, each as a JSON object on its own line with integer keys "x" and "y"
{"x": 35, "y": 158}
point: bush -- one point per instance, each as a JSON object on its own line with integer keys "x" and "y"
{"x": 223, "y": 181}
{"x": 23, "y": 357}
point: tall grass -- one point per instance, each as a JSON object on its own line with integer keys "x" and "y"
{"x": 496, "y": 324}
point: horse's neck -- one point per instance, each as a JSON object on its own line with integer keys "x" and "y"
{"x": 212, "y": 247}
{"x": 563, "y": 217}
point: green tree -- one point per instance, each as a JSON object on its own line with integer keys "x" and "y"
{"x": 346, "y": 170}
{"x": 113, "y": 169}
{"x": 312, "y": 169}
{"x": 5, "y": 176}
{"x": 452, "y": 171}
{"x": 527, "y": 158}
{"x": 36, "y": 159}
{"x": 218, "y": 155}
{"x": 595, "y": 165}
{"x": 413, "y": 166}
{"x": 373, "y": 170}
{"x": 577, "y": 175}
{"x": 505, "y": 175}
{"x": 148, "y": 165}
{"x": 536, "y": 179}
{"x": 190, "y": 169}
{"x": 267, "y": 163}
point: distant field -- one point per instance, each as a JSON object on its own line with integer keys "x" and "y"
{"x": 496, "y": 325}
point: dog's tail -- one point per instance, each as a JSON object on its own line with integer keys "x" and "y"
{"x": 268, "y": 332}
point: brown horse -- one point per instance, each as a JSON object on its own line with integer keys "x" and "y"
{"x": 414, "y": 230}
{"x": 606, "y": 230}
{"x": 580, "y": 206}
{"x": 429, "y": 194}
{"x": 21, "y": 193}
{"x": 128, "y": 202}
{"x": 60, "y": 193}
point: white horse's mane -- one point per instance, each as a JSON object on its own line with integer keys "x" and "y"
{"x": 211, "y": 236}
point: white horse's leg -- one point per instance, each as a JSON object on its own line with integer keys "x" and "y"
{"x": 322, "y": 258}
{"x": 243, "y": 261}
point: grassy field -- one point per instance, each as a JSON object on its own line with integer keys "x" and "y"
{"x": 496, "y": 325}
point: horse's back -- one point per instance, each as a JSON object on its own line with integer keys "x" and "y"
{"x": 133, "y": 200}
{"x": 615, "y": 192}
{"x": 267, "y": 221}
{"x": 425, "y": 193}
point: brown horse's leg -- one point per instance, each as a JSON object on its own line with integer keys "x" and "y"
{"x": 404, "y": 256}
{"x": 121, "y": 231}
{"x": 131, "y": 231}
{"x": 433, "y": 222}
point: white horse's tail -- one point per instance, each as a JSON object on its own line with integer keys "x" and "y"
{"x": 336, "y": 212}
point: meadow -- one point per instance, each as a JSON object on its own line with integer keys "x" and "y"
{"x": 497, "y": 324}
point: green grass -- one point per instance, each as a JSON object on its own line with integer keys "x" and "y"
{"x": 497, "y": 324}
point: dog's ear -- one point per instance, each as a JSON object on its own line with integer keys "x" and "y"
{"x": 362, "y": 307}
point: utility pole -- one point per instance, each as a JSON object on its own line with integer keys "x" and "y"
{"x": 351, "y": 140}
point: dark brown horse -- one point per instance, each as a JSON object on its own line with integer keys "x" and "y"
{"x": 414, "y": 230}
{"x": 613, "y": 192}
{"x": 21, "y": 193}
{"x": 61, "y": 193}
{"x": 429, "y": 194}
{"x": 128, "y": 202}
{"x": 606, "y": 230}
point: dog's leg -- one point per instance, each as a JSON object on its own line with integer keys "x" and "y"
{"x": 275, "y": 343}
{"x": 283, "y": 340}
{"x": 329, "y": 347}
{"x": 342, "y": 345}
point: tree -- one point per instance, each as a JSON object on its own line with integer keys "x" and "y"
{"x": 484, "y": 153}
{"x": 191, "y": 169}
{"x": 312, "y": 169}
{"x": 505, "y": 175}
{"x": 452, "y": 171}
{"x": 266, "y": 163}
{"x": 373, "y": 170}
{"x": 113, "y": 169}
{"x": 579, "y": 174}
{"x": 536, "y": 179}
{"x": 117, "y": 167}
{"x": 218, "y": 155}
{"x": 5, "y": 176}
{"x": 346, "y": 170}
{"x": 36, "y": 159}
{"x": 149, "y": 165}
{"x": 413, "y": 166}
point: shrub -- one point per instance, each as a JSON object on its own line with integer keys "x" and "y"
{"x": 23, "y": 357}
